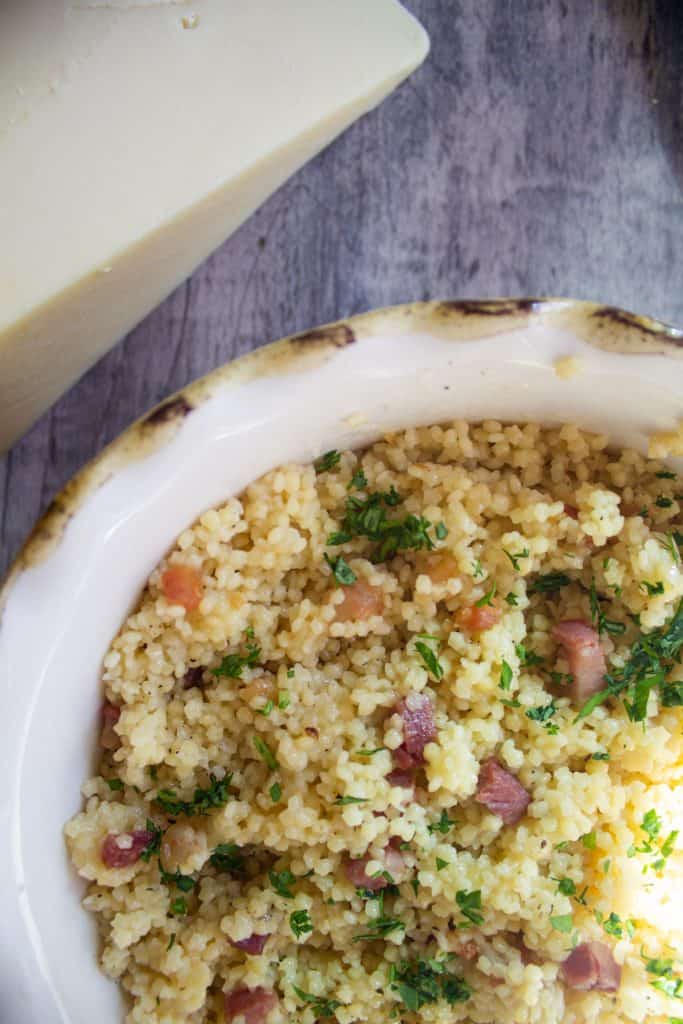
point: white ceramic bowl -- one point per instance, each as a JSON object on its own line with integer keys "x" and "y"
{"x": 85, "y": 564}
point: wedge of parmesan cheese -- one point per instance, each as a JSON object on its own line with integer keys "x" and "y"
{"x": 136, "y": 135}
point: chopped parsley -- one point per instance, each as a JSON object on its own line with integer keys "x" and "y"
{"x": 266, "y": 709}
{"x": 283, "y": 698}
{"x": 370, "y": 753}
{"x": 548, "y": 582}
{"x": 516, "y": 557}
{"x": 598, "y": 617}
{"x": 359, "y": 481}
{"x": 154, "y": 846}
{"x": 171, "y": 942}
{"x": 512, "y": 600}
{"x": 487, "y": 599}
{"x": 567, "y": 887}
{"x": 328, "y": 461}
{"x": 653, "y": 846}
{"x": 266, "y": 754}
{"x": 115, "y": 784}
{"x": 527, "y": 658}
{"x": 420, "y": 982}
{"x": 562, "y": 923}
{"x": 367, "y": 517}
{"x": 505, "y": 676}
{"x": 183, "y": 882}
{"x": 343, "y": 801}
{"x": 589, "y": 840}
{"x": 665, "y": 979}
{"x": 275, "y": 792}
{"x": 651, "y": 658}
{"x": 179, "y": 906}
{"x": 282, "y": 881}
{"x": 477, "y": 569}
{"x": 543, "y": 713}
{"x": 442, "y": 825}
{"x": 431, "y": 661}
{"x": 652, "y": 589}
{"x": 341, "y": 570}
{"x": 321, "y": 1006}
{"x": 470, "y": 905}
{"x": 514, "y": 703}
{"x": 663, "y": 502}
{"x": 600, "y": 755}
{"x": 233, "y": 665}
{"x": 214, "y": 795}
{"x": 613, "y": 925}
{"x": 441, "y": 531}
{"x": 665, "y": 474}
{"x": 441, "y": 864}
{"x": 228, "y": 858}
{"x": 300, "y": 923}
{"x": 379, "y": 928}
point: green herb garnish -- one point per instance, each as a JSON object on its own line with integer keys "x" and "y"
{"x": 367, "y": 517}
{"x": 282, "y": 881}
{"x": 327, "y": 461}
{"x": 543, "y": 712}
{"x": 275, "y": 792}
{"x": 359, "y": 481}
{"x": 505, "y": 677}
{"x": 179, "y": 906}
{"x": 548, "y": 582}
{"x": 343, "y": 573}
{"x": 343, "y": 801}
{"x": 527, "y": 658}
{"x": 420, "y": 982}
{"x": 154, "y": 846}
{"x": 470, "y": 905}
{"x": 516, "y": 557}
{"x": 589, "y": 840}
{"x": 441, "y": 531}
{"x": 300, "y": 923}
{"x": 265, "y": 753}
{"x": 562, "y": 923}
{"x": 233, "y": 665}
{"x": 321, "y": 1006}
{"x": 431, "y": 662}
{"x": 487, "y": 599}
{"x": 115, "y": 784}
{"x": 599, "y": 619}
{"x": 214, "y": 795}
{"x": 442, "y": 825}
{"x": 379, "y": 928}
{"x": 228, "y": 858}
{"x": 660, "y": 850}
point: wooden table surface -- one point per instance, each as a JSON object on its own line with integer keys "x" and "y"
{"x": 539, "y": 151}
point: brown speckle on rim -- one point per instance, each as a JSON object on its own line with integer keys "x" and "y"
{"x": 500, "y": 307}
{"x": 623, "y": 318}
{"x": 338, "y": 335}
{"x": 175, "y": 408}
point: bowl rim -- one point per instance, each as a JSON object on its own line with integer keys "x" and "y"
{"x": 401, "y": 342}
{"x": 606, "y": 327}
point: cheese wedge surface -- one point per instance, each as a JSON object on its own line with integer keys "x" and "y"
{"x": 136, "y": 135}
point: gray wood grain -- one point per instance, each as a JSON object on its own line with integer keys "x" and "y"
{"x": 538, "y": 151}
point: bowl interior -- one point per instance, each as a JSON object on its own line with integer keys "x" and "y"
{"x": 61, "y": 613}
